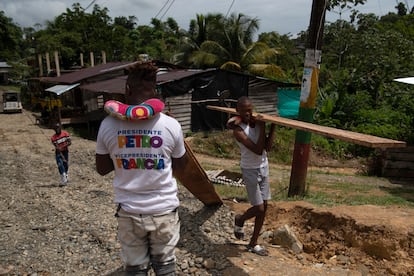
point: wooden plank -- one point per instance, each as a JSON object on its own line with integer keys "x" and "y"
{"x": 340, "y": 134}
{"x": 195, "y": 179}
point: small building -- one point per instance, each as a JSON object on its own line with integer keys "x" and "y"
{"x": 186, "y": 92}
{"x": 4, "y": 72}
{"x": 61, "y": 98}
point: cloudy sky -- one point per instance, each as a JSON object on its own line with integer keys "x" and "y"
{"x": 285, "y": 17}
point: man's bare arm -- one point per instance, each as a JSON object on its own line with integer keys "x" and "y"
{"x": 104, "y": 164}
{"x": 254, "y": 147}
{"x": 178, "y": 164}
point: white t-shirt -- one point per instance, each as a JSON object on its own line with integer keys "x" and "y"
{"x": 249, "y": 159}
{"x": 142, "y": 153}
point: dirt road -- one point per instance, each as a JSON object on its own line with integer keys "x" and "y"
{"x": 49, "y": 230}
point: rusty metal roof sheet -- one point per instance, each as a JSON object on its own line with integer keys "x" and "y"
{"x": 117, "y": 85}
{"x": 79, "y": 76}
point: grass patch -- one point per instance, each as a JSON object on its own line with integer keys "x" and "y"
{"x": 218, "y": 143}
{"x": 332, "y": 194}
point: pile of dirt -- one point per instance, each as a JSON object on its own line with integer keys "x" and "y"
{"x": 369, "y": 239}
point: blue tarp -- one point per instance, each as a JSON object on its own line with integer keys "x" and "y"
{"x": 288, "y": 101}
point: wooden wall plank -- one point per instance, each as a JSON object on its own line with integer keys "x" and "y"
{"x": 397, "y": 164}
{"x": 181, "y": 110}
{"x": 399, "y": 174}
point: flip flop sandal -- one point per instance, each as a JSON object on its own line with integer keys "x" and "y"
{"x": 238, "y": 231}
{"x": 257, "y": 249}
{"x": 142, "y": 111}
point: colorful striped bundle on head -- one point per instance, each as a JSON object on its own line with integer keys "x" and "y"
{"x": 140, "y": 111}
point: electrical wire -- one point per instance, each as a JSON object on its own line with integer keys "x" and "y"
{"x": 172, "y": 2}
{"x": 408, "y": 7}
{"x": 380, "y": 7}
{"x": 165, "y": 4}
{"x": 231, "y": 5}
{"x": 320, "y": 23}
{"x": 90, "y": 4}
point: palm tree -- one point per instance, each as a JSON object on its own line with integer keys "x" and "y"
{"x": 201, "y": 28}
{"x": 229, "y": 45}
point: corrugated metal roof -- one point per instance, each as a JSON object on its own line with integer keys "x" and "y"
{"x": 59, "y": 89}
{"x": 117, "y": 85}
{"x": 78, "y": 76}
{"x": 4, "y": 64}
{"x": 114, "y": 86}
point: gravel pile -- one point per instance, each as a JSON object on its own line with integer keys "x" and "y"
{"x": 50, "y": 230}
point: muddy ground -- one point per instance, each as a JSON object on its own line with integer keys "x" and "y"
{"x": 43, "y": 226}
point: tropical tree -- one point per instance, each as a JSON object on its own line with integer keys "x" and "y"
{"x": 200, "y": 30}
{"x": 361, "y": 59}
{"x": 228, "y": 44}
{"x": 290, "y": 55}
{"x": 74, "y": 32}
{"x": 122, "y": 41}
{"x": 11, "y": 38}
{"x": 160, "y": 40}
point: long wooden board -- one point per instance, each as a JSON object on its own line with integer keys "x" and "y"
{"x": 340, "y": 134}
{"x": 195, "y": 179}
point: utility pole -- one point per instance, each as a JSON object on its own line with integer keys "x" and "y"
{"x": 308, "y": 96}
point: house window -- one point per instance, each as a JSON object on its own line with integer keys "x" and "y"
{"x": 100, "y": 101}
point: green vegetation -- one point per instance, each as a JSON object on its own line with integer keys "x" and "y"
{"x": 356, "y": 87}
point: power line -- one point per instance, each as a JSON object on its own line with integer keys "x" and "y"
{"x": 165, "y": 4}
{"x": 172, "y": 2}
{"x": 231, "y": 5}
{"x": 408, "y": 7}
{"x": 90, "y": 4}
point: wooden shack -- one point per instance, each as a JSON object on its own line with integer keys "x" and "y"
{"x": 186, "y": 93}
{"x": 188, "y": 98}
{"x": 62, "y": 99}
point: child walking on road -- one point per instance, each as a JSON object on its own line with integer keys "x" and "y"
{"x": 254, "y": 144}
{"x": 61, "y": 140}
